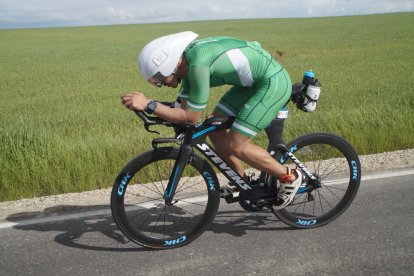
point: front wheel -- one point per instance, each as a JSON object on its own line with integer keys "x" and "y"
{"x": 336, "y": 166}
{"x": 138, "y": 205}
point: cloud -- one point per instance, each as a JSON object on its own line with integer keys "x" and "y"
{"x": 46, "y": 13}
{"x": 119, "y": 13}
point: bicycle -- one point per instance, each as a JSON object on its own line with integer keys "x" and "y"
{"x": 166, "y": 197}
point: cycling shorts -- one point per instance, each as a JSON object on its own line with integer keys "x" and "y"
{"x": 255, "y": 107}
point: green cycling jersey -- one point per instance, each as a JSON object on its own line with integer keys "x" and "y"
{"x": 248, "y": 67}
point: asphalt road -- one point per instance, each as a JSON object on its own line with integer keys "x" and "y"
{"x": 374, "y": 236}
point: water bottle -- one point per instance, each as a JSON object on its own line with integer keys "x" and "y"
{"x": 312, "y": 96}
{"x": 308, "y": 77}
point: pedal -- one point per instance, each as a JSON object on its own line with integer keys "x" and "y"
{"x": 227, "y": 194}
{"x": 226, "y": 191}
{"x": 233, "y": 187}
{"x": 231, "y": 199}
{"x": 268, "y": 200}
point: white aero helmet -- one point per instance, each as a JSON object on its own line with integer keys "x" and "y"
{"x": 163, "y": 54}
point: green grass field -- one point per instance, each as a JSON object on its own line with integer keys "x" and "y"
{"x": 63, "y": 129}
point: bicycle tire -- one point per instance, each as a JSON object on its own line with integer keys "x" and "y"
{"x": 140, "y": 212}
{"x": 336, "y": 164}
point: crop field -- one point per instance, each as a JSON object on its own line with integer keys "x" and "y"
{"x": 63, "y": 128}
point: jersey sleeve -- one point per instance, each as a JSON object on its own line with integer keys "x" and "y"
{"x": 199, "y": 87}
{"x": 184, "y": 89}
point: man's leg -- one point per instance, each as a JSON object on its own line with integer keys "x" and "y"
{"x": 218, "y": 139}
{"x": 239, "y": 146}
{"x": 234, "y": 146}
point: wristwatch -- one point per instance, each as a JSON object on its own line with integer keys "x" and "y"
{"x": 152, "y": 105}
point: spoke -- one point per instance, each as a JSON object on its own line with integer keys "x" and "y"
{"x": 324, "y": 149}
{"x": 147, "y": 213}
{"x": 145, "y": 186}
{"x": 192, "y": 196}
{"x": 303, "y": 209}
{"x": 156, "y": 223}
{"x": 163, "y": 232}
{"x": 181, "y": 217}
{"x": 150, "y": 212}
{"x": 316, "y": 159}
{"x": 138, "y": 195}
{"x": 173, "y": 220}
{"x": 185, "y": 211}
{"x": 329, "y": 190}
{"x": 320, "y": 161}
{"x": 314, "y": 206}
{"x": 156, "y": 187}
{"x": 310, "y": 152}
{"x": 178, "y": 191}
{"x": 148, "y": 170}
{"x": 331, "y": 171}
{"x": 298, "y": 204}
{"x": 183, "y": 183}
{"x": 320, "y": 201}
{"x": 193, "y": 203}
{"x": 327, "y": 201}
{"x": 333, "y": 187}
{"x": 327, "y": 158}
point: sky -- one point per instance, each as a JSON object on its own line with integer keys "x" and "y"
{"x": 63, "y": 13}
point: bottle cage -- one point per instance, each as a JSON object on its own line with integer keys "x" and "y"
{"x": 299, "y": 95}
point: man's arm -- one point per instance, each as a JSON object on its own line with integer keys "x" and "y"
{"x": 137, "y": 101}
{"x": 178, "y": 115}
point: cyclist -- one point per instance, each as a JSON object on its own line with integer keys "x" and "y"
{"x": 260, "y": 88}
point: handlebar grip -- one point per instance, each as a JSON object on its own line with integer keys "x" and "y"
{"x": 142, "y": 116}
{"x": 150, "y": 121}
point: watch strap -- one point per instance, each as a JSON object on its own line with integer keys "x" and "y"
{"x": 152, "y": 105}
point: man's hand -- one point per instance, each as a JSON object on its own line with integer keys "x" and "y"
{"x": 135, "y": 101}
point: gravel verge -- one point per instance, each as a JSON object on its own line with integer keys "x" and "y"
{"x": 48, "y": 205}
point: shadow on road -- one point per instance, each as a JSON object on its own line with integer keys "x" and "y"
{"x": 100, "y": 233}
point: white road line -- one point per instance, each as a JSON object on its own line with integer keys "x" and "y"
{"x": 388, "y": 174}
{"x": 4, "y": 225}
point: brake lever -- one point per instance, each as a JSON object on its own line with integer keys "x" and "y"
{"x": 149, "y": 130}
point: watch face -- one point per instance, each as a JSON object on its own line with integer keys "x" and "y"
{"x": 151, "y": 107}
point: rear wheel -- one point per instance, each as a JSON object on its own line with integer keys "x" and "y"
{"x": 338, "y": 174}
{"x": 140, "y": 211}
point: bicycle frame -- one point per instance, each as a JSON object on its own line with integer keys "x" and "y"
{"x": 195, "y": 138}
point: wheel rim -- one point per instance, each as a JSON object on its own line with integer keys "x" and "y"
{"x": 146, "y": 212}
{"x": 316, "y": 205}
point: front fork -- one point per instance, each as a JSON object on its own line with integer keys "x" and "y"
{"x": 184, "y": 157}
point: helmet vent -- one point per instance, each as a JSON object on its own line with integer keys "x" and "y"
{"x": 159, "y": 58}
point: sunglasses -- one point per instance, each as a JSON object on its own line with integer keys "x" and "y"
{"x": 158, "y": 79}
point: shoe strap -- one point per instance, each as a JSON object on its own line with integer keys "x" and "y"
{"x": 288, "y": 177}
